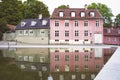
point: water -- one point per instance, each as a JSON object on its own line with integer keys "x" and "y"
{"x": 59, "y": 63}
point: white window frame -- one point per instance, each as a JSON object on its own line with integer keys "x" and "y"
{"x": 82, "y": 14}
{"x": 72, "y": 14}
{"x": 33, "y": 23}
{"x": 31, "y": 32}
{"x": 26, "y": 32}
{"x": 61, "y": 14}
{"x": 92, "y": 14}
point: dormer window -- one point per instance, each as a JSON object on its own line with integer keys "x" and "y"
{"x": 61, "y": 14}
{"x": 23, "y": 24}
{"x": 92, "y": 14}
{"x": 44, "y": 22}
{"x": 82, "y": 14}
{"x": 33, "y": 23}
{"x": 72, "y": 14}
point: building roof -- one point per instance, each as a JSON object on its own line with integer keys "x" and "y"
{"x": 67, "y": 13}
{"x": 111, "y": 31}
{"x": 43, "y": 23}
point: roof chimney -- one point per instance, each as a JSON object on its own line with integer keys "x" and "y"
{"x": 40, "y": 16}
{"x": 68, "y": 6}
{"x": 85, "y": 6}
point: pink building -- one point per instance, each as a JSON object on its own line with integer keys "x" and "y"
{"x": 112, "y": 36}
{"x": 76, "y": 60}
{"x": 76, "y": 26}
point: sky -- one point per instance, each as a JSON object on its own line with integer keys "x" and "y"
{"x": 114, "y": 5}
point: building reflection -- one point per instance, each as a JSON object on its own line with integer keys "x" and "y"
{"x": 61, "y": 63}
{"x": 76, "y": 64}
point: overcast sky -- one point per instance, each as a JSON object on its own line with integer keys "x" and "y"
{"x": 113, "y": 4}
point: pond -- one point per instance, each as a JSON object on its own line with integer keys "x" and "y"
{"x": 59, "y": 63}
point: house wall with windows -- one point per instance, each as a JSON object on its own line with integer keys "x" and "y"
{"x": 76, "y": 26}
{"x": 33, "y": 31}
{"x": 76, "y": 60}
{"x": 112, "y": 36}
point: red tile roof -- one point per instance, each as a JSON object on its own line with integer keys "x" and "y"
{"x": 67, "y": 13}
{"x": 113, "y": 32}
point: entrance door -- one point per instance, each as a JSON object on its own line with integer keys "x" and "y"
{"x": 98, "y": 38}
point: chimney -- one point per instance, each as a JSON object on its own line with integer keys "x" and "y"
{"x": 68, "y": 6}
{"x": 40, "y": 16}
{"x": 85, "y": 6}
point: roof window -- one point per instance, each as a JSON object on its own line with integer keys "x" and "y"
{"x": 61, "y": 14}
{"x": 44, "y": 22}
{"x": 23, "y": 24}
{"x": 92, "y": 14}
{"x": 72, "y": 14}
{"x": 82, "y": 14}
{"x": 33, "y": 23}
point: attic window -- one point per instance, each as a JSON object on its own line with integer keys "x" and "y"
{"x": 72, "y": 14}
{"x": 82, "y": 14}
{"x": 61, "y": 14}
{"x": 23, "y": 24}
{"x": 33, "y": 23}
{"x": 92, "y": 14}
{"x": 44, "y": 22}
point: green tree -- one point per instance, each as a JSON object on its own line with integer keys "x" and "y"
{"x": 105, "y": 12}
{"x": 117, "y": 20}
{"x": 32, "y": 8}
{"x": 63, "y": 6}
{"x": 9, "y": 10}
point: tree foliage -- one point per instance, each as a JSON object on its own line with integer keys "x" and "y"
{"x": 63, "y": 7}
{"x": 105, "y": 12}
{"x": 117, "y": 20}
{"x": 32, "y": 8}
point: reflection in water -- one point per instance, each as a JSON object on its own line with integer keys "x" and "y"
{"x": 60, "y": 63}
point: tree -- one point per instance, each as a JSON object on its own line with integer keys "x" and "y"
{"x": 117, "y": 20}
{"x": 105, "y": 12}
{"x": 63, "y": 6}
{"x": 9, "y": 10}
{"x": 32, "y": 8}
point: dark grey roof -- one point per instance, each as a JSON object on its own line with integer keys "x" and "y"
{"x": 38, "y": 24}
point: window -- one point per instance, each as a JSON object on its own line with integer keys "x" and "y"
{"x": 25, "y": 58}
{"x": 97, "y": 23}
{"x": 56, "y": 33}
{"x": 31, "y": 58}
{"x": 72, "y": 14}
{"x": 76, "y": 40}
{"x": 33, "y": 23}
{"x": 92, "y": 14}
{"x": 66, "y": 40}
{"x": 76, "y": 57}
{"x": 42, "y": 59}
{"x": 82, "y": 76}
{"x": 118, "y": 31}
{"x": 114, "y": 39}
{"x": 66, "y": 22}
{"x": 56, "y": 40}
{"x": 67, "y": 67}
{"x": 44, "y": 22}
{"x": 23, "y": 24}
{"x": 85, "y": 23}
{"x": 56, "y": 50}
{"x": 108, "y": 39}
{"x": 56, "y": 67}
{"x": 76, "y": 33}
{"x": 31, "y": 32}
{"x": 76, "y": 68}
{"x": 108, "y": 31}
{"x": 76, "y": 23}
{"x": 66, "y": 50}
{"x": 25, "y": 32}
{"x": 82, "y": 14}
{"x": 76, "y": 50}
{"x": 86, "y": 33}
{"x": 56, "y": 23}
{"x": 97, "y": 66}
{"x": 20, "y": 32}
{"x": 66, "y": 57}
{"x": 86, "y": 67}
{"x": 56, "y": 57}
{"x": 61, "y": 14}
{"x": 66, "y": 33}
{"x": 86, "y": 57}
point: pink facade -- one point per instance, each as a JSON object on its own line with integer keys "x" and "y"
{"x": 80, "y": 61}
{"x": 76, "y": 29}
{"x": 112, "y": 36}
